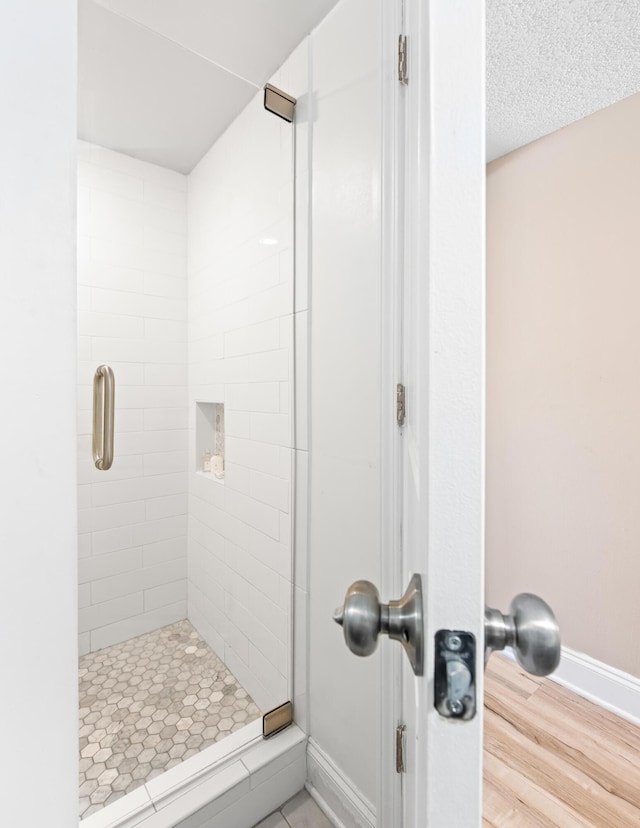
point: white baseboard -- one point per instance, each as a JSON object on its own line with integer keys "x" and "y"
{"x": 599, "y": 683}
{"x": 337, "y": 796}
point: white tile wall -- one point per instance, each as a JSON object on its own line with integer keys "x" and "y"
{"x": 132, "y": 314}
{"x": 241, "y": 338}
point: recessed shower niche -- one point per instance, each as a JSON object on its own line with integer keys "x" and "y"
{"x": 210, "y": 440}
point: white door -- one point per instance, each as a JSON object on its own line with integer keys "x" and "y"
{"x": 432, "y": 469}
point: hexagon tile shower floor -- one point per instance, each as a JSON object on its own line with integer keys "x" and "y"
{"x": 149, "y": 703}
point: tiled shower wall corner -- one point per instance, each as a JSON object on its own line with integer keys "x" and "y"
{"x": 132, "y": 297}
{"x": 241, "y": 334}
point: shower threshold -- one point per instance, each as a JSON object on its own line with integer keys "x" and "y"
{"x": 148, "y": 704}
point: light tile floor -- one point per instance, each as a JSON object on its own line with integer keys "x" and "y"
{"x": 299, "y": 812}
{"x": 149, "y": 703}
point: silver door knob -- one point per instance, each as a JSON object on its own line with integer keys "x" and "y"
{"x": 530, "y": 629}
{"x": 363, "y": 618}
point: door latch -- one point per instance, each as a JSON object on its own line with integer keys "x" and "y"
{"x": 455, "y": 674}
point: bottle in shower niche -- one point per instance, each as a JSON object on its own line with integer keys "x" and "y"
{"x": 206, "y": 461}
{"x": 217, "y": 465}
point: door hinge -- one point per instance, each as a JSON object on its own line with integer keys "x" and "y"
{"x": 401, "y": 404}
{"x": 401, "y": 730}
{"x": 402, "y": 59}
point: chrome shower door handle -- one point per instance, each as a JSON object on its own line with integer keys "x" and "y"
{"x": 530, "y": 629}
{"x": 104, "y": 387}
{"x": 363, "y": 617}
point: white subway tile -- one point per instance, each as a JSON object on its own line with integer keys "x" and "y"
{"x": 109, "y": 564}
{"x": 164, "y": 419}
{"x": 253, "y": 339}
{"x": 264, "y": 457}
{"x": 252, "y": 570}
{"x": 175, "y": 375}
{"x": 167, "y": 264}
{"x": 149, "y": 173}
{"x": 112, "y": 277}
{"x": 132, "y": 312}
{"x": 126, "y": 373}
{"x": 162, "y": 196}
{"x": 167, "y": 330}
{"x": 269, "y": 366}
{"x": 84, "y": 297}
{"x": 119, "y": 491}
{"x": 256, "y": 396}
{"x": 163, "y": 551}
{"x": 163, "y": 218}
{"x": 111, "y": 181}
{"x": 237, "y": 423}
{"x": 84, "y": 595}
{"x": 256, "y": 514}
{"x": 125, "y": 465}
{"x": 112, "y": 540}
{"x": 158, "y": 530}
{"x": 110, "y": 325}
{"x": 271, "y": 428}
{"x": 111, "y": 298}
{"x": 165, "y": 594}
{"x": 137, "y": 625}
{"x": 159, "y": 507}
{"x": 237, "y": 478}
{"x": 170, "y": 287}
{"x": 174, "y": 440}
{"x": 165, "y": 242}
{"x": 271, "y": 304}
{"x": 110, "y": 517}
{"x": 84, "y": 545}
{"x": 274, "y": 491}
{"x": 166, "y": 462}
{"x": 271, "y": 553}
{"x": 108, "y": 589}
{"x": 84, "y": 496}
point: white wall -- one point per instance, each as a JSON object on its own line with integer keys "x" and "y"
{"x": 241, "y": 353}
{"x": 132, "y": 314}
{"x": 38, "y": 578}
{"x": 345, "y": 378}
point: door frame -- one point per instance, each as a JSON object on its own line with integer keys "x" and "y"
{"x": 433, "y": 244}
{"x": 389, "y": 804}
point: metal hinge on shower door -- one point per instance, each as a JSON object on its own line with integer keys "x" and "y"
{"x": 401, "y": 731}
{"x": 402, "y": 59}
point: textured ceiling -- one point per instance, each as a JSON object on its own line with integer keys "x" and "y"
{"x": 551, "y": 62}
{"x": 161, "y": 80}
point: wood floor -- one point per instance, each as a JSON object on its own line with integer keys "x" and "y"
{"x": 553, "y": 758}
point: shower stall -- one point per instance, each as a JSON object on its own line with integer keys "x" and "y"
{"x": 187, "y": 321}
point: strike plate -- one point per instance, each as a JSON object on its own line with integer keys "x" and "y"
{"x": 455, "y": 674}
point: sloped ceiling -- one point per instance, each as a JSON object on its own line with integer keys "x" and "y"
{"x": 160, "y": 80}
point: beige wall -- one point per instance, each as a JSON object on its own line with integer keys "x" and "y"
{"x": 563, "y": 395}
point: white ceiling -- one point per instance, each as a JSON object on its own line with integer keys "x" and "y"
{"x": 161, "y": 80}
{"x": 551, "y": 62}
